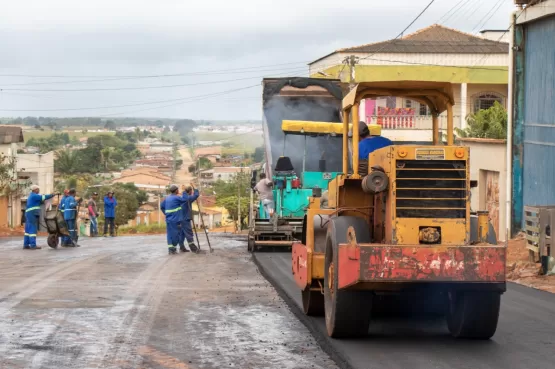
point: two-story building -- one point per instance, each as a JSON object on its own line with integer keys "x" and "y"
{"x": 476, "y": 65}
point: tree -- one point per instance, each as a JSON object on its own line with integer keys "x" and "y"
{"x": 67, "y": 162}
{"x": 7, "y": 171}
{"x": 205, "y": 163}
{"x": 128, "y": 197}
{"x": 230, "y": 204}
{"x": 258, "y": 156}
{"x": 486, "y": 123}
{"x": 110, "y": 125}
{"x": 184, "y": 126}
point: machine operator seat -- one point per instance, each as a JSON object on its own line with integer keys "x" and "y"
{"x": 284, "y": 165}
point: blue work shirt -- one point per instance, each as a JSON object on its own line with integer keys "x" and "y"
{"x": 110, "y": 207}
{"x": 33, "y": 203}
{"x": 172, "y": 207}
{"x": 371, "y": 144}
{"x": 188, "y": 202}
{"x": 70, "y": 208}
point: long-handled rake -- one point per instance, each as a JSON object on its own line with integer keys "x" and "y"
{"x": 204, "y": 227}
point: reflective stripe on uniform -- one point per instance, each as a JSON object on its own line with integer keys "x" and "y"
{"x": 43, "y": 197}
{"x": 30, "y": 234}
{"x": 173, "y": 210}
{"x": 33, "y": 208}
{"x": 170, "y": 246}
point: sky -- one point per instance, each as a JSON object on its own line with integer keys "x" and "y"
{"x": 190, "y": 59}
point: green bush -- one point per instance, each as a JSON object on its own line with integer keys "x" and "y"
{"x": 487, "y": 123}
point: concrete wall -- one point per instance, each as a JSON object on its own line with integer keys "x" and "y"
{"x": 4, "y": 223}
{"x": 488, "y": 165}
{"x": 39, "y": 168}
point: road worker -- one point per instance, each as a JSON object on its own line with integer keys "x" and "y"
{"x": 172, "y": 207}
{"x": 370, "y": 140}
{"x": 66, "y": 240}
{"x": 190, "y": 194}
{"x": 32, "y": 214}
{"x": 70, "y": 216}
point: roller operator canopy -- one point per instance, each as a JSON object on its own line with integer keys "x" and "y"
{"x": 436, "y": 95}
{"x": 308, "y": 128}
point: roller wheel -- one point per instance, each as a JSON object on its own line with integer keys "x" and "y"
{"x": 313, "y": 301}
{"x": 347, "y": 312}
{"x": 52, "y": 240}
{"x": 473, "y": 314}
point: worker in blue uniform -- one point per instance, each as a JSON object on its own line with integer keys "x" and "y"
{"x": 370, "y": 140}
{"x": 70, "y": 216}
{"x": 190, "y": 194}
{"x": 66, "y": 240}
{"x": 32, "y": 214}
{"x": 172, "y": 207}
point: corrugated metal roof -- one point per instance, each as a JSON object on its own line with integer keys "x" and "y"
{"x": 10, "y": 134}
{"x": 435, "y": 39}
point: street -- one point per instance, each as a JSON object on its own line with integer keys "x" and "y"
{"x": 124, "y": 303}
{"x": 524, "y": 337}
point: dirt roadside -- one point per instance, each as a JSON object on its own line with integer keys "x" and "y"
{"x": 520, "y": 270}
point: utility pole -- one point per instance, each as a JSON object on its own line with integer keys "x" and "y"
{"x": 351, "y": 61}
{"x": 239, "y": 199}
{"x": 174, "y": 154}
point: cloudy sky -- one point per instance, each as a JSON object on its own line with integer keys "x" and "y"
{"x": 196, "y": 59}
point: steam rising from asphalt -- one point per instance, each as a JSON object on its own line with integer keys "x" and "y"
{"x": 280, "y": 108}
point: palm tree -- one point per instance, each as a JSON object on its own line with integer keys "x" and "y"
{"x": 67, "y": 161}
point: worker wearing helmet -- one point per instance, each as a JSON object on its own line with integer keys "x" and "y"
{"x": 32, "y": 214}
{"x": 172, "y": 207}
{"x": 190, "y": 194}
{"x": 370, "y": 140}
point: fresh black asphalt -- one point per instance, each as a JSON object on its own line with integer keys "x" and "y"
{"x": 525, "y": 336}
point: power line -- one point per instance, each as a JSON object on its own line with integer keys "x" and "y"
{"x": 148, "y": 76}
{"x": 131, "y": 88}
{"x": 404, "y": 30}
{"x": 482, "y": 22}
{"x": 135, "y": 78}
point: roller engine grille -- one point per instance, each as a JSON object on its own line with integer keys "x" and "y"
{"x": 431, "y": 189}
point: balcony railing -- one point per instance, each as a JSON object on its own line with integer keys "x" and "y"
{"x": 418, "y": 122}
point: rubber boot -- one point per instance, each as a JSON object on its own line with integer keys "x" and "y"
{"x": 193, "y": 247}
{"x": 172, "y": 250}
{"x": 183, "y": 249}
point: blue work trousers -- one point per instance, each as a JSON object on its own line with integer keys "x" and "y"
{"x": 31, "y": 229}
{"x": 173, "y": 230}
{"x": 71, "y": 224}
{"x": 186, "y": 233}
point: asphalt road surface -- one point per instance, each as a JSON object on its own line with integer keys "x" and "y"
{"x": 124, "y": 303}
{"x": 525, "y": 335}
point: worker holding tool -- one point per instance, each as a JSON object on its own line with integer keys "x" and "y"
{"x": 66, "y": 240}
{"x": 32, "y": 214}
{"x": 172, "y": 207}
{"x": 70, "y": 216}
{"x": 190, "y": 194}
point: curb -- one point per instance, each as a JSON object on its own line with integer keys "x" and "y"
{"x": 323, "y": 340}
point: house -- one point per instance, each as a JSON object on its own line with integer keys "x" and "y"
{"x": 208, "y": 151}
{"x": 531, "y": 137}
{"x": 38, "y": 169}
{"x": 477, "y": 67}
{"x": 225, "y": 174}
{"x": 10, "y": 138}
{"x": 147, "y": 179}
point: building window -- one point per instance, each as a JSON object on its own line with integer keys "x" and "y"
{"x": 408, "y": 104}
{"x": 390, "y": 102}
{"x": 485, "y": 100}
{"x": 424, "y": 110}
